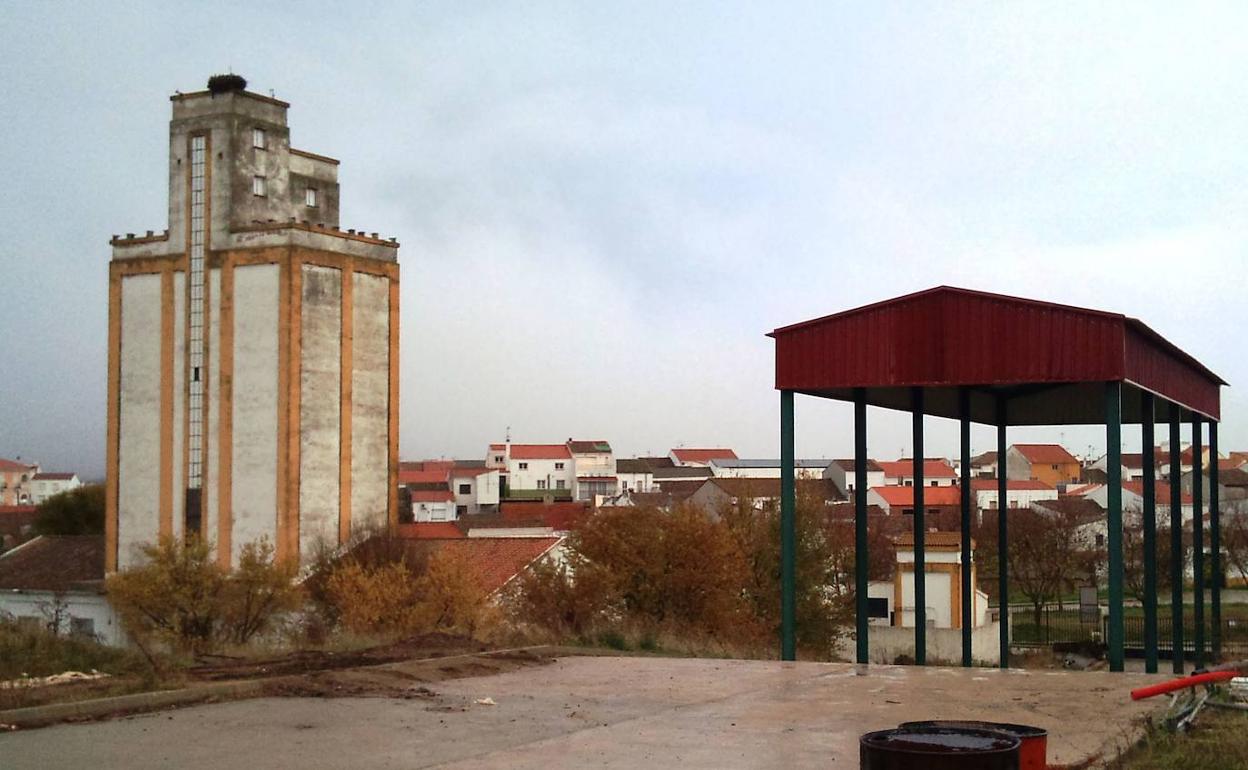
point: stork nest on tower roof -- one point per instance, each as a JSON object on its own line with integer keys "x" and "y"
{"x": 224, "y": 84}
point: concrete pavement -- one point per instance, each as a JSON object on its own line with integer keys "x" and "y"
{"x": 604, "y": 712}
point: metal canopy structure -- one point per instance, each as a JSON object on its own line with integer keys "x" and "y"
{"x": 999, "y": 360}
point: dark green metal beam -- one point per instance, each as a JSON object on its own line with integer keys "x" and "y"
{"x": 964, "y": 408}
{"x": 920, "y": 533}
{"x": 1147, "y": 431}
{"x": 861, "y": 564}
{"x": 1198, "y": 542}
{"x": 1215, "y": 542}
{"x": 1113, "y": 470}
{"x": 788, "y": 533}
{"x": 1003, "y": 539}
{"x": 1176, "y": 542}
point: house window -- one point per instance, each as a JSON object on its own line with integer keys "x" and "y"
{"x": 1054, "y": 467}
{"x": 558, "y": 466}
{"x": 1100, "y": 541}
{"x": 541, "y": 484}
{"x": 461, "y": 510}
{"x": 257, "y": 186}
{"x": 907, "y": 511}
{"x": 309, "y": 197}
{"x": 498, "y": 458}
{"x": 908, "y": 483}
{"x": 257, "y": 138}
{"x": 934, "y": 483}
{"x": 82, "y": 626}
{"x": 524, "y": 466}
{"x": 559, "y": 484}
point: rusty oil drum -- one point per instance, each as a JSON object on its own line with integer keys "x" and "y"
{"x": 1032, "y": 754}
{"x": 938, "y": 748}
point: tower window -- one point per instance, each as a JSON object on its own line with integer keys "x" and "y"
{"x": 309, "y": 197}
{"x": 257, "y": 186}
{"x": 257, "y": 138}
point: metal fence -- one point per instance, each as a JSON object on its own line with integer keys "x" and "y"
{"x": 1066, "y": 626}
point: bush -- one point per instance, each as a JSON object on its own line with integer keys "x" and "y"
{"x": 78, "y": 511}
{"x": 30, "y": 650}
{"x": 378, "y": 590}
{"x": 182, "y": 598}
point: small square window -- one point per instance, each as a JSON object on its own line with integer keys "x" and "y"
{"x": 524, "y": 466}
{"x": 309, "y": 197}
{"x": 257, "y": 186}
{"x": 559, "y": 484}
{"x": 465, "y": 489}
{"x": 541, "y": 484}
{"x": 257, "y": 138}
{"x": 558, "y": 466}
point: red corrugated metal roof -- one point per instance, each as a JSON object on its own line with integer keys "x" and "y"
{"x": 931, "y": 495}
{"x": 1045, "y": 454}
{"x": 423, "y": 477}
{"x": 703, "y": 455}
{"x": 540, "y": 452}
{"x": 1050, "y": 360}
{"x": 431, "y": 496}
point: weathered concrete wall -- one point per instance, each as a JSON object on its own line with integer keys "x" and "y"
{"x": 944, "y": 645}
{"x": 320, "y": 386}
{"x": 179, "y": 403}
{"x": 212, "y": 398}
{"x": 138, "y": 477}
{"x": 254, "y": 454}
{"x": 370, "y": 378}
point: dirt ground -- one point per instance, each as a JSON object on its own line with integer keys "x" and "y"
{"x": 371, "y": 671}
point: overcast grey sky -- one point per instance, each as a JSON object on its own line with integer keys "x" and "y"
{"x": 602, "y": 211}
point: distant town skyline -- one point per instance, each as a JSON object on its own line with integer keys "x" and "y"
{"x": 603, "y": 212}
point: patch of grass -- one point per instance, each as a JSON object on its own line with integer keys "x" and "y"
{"x": 1218, "y": 739}
{"x": 28, "y": 651}
{"x": 613, "y": 639}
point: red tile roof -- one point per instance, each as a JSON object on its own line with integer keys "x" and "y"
{"x": 1161, "y": 490}
{"x": 703, "y": 455}
{"x": 53, "y": 563}
{"x": 423, "y": 476}
{"x": 558, "y": 516}
{"x": 904, "y": 496}
{"x": 932, "y": 469}
{"x": 13, "y": 465}
{"x": 540, "y": 452}
{"x": 430, "y": 530}
{"x": 937, "y": 539}
{"x": 1051, "y": 454}
{"x": 990, "y": 485}
{"x": 1230, "y": 463}
{"x": 500, "y": 559}
{"x": 432, "y": 496}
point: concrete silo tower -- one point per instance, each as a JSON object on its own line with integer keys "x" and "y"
{"x": 253, "y": 347}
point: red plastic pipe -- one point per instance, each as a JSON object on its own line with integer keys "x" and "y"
{"x": 1141, "y": 693}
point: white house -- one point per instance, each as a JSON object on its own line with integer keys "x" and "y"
{"x": 943, "y": 582}
{"x": 732, "y": 468}
{"x": 1133, "y": 497}
{"x": 936, "y": 473}
{"x": 634, "y": 475}
{"x": 432, "y": 505}
{"x": 984, "y": 465}
{"x": 476, "y": 489}
{"x": 595, "y": 467}
{"x": 45, "y": 485}
{"x": 841, "y": 473}
{"x": 1019, "y": 493}
{"x": 1132, "y": 464}
{"x": 540, "y": 467}
{"x": 57, "y": 582}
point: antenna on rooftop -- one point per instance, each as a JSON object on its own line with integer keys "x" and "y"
{"x": 508, "y": 434}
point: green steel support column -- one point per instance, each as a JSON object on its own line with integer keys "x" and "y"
{"x": 788, "y": 533}
{"x": 1215, "y": 543}
{"x": 964, "y": 410}
{"x": 1198, "y": 542}
{"x": 861, "y": 562}
{"x": 1113, "y": 486}
{"x": 1003, "y": 539}
{"x": 920, "y": 534}
{"x": 1147, "y": 431}
{"x": 1176, "y": 542}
